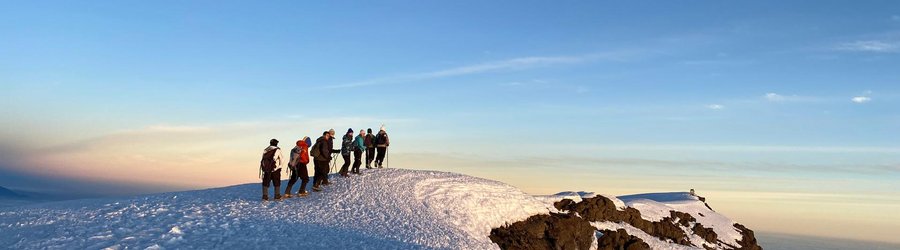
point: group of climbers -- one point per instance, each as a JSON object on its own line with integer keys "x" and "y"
{"x": 372, "y": 147}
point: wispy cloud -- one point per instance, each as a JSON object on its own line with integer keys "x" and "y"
{"x": 520, "y": 63}
{"x": 715, "y": 106}
{"x": 861, "y": 99}
{"x": 877, "y": 46}
{"x": 775, "y": 97}
{"x": 864, "y": 98}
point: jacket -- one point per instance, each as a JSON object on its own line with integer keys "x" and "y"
{"x": 359, "y": 143}
{"x": 347, "y": 145}
{"x": 327, "y": 147}
{"x": 370, "y": 141}
{"x": 324, "y": 148}
{"x": 382, "y": 140}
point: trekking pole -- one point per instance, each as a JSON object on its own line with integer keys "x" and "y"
{"x": 333, "y": 163}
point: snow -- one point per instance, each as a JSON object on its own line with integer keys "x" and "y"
{"x": 577, "y": 197}
{"x": 655, "y": 243}
{"x": 655, "y": 206}
{"x": 382, "y": 209}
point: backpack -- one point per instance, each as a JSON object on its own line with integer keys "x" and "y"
{"x": 380, "y": 139}
{"x": 304, "y": 155}
{"x": 316, "y": 151}
{"x": 267, "y": 164}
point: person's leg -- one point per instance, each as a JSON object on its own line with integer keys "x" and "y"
{"x": 380, "y": 158}
{"x": 265, "y": 186}
{"x": 324, "y": 169}
{"x": 346, "y": 166}
{"x": 304, "y": 178}
{"x": 291, "y": 181}
{"x": 359, "y": 159}
{"x": 317, "y": 174}
{"x": 276, "y": 178}
{"x": 370, "y": 156}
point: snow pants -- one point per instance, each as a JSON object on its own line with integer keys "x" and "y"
{"x": 381, "y": 152}
{"x": 357, "y": 153}
{"x": 273, "y": 178}
{"x": 346, "y": 166}
{"x": 370, "y": 156}
{"x": 321, "y": 172}
{"x": 298, "y": 172}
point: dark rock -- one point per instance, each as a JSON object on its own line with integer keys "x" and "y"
{"x": 620, "y": 240}
{"x": 600, "y": 208}
{"x": 706, "y": 233}
{"x": 553, "y": 231}
{"x": 748, "y": 240}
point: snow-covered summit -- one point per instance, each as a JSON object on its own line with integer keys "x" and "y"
{"x": 381, "y": 209}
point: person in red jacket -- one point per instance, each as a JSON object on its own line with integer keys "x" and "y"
{"x": 297, "y": 165}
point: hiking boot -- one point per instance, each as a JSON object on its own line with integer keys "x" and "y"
{"x": 286, "y": 196}
{"x": 317, "y": 189}
{"x": 265, "y": 197}
{"x": 302, "y": 193}
{"x": 326, "y": 183}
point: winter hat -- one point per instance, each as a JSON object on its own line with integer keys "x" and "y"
{"x": 350, "y": 130}
{"x": 331, "y": 131}
{"x": 382, "y": 127}
{"x": 273, "y": 142}
{"x": 369, "y": 131}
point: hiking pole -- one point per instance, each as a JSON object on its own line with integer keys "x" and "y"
{"x": 333, "y": 163}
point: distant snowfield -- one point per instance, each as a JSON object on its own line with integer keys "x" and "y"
{"x": 381, "y": 209}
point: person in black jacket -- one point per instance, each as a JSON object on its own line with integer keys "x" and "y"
{"x": 381, "y": 143}
{"x": 346, "y": 149}
{"x": 321, "y": 163}
{"x": 370, "y": 148}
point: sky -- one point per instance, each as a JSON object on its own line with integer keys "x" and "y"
{"x": 784, "y": 114}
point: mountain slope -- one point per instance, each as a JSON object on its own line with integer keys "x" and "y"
{"x": 382, "y": 209}
{"x": 385, "y": 209}
{"x": 9, "y": 194}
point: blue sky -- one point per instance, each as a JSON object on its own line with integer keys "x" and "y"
{"x": 754, "y": 101}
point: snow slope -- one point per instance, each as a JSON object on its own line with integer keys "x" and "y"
{"x": 382, "y": 209}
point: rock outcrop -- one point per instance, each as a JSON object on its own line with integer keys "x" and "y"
{"x": 568, "y": 230}
{"x": 553, "y": 231}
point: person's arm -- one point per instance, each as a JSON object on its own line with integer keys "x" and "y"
{"x": 278, "y": 161}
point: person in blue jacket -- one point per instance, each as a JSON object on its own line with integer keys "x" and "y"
{"x": 359, "y": 146}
